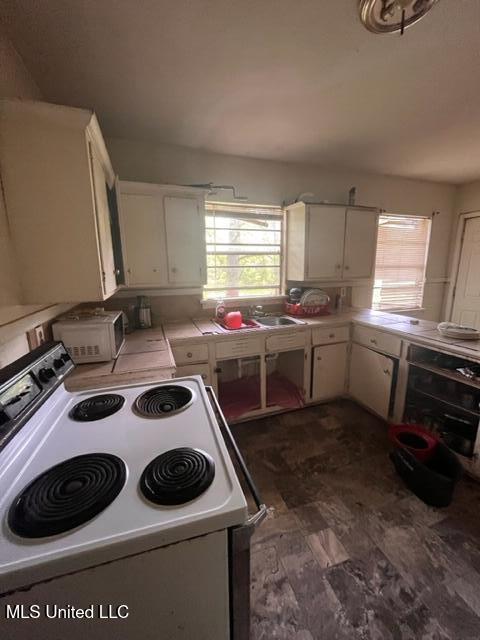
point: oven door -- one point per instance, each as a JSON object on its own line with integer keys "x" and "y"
{"x": 239, "y": 539}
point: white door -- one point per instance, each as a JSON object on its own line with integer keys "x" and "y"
{"x": 371, "y": 379}
{"x": 466, "y": 306}
{"x": 102, "y": 211}
{"x": 185, "y": 239}
{"x": 143, "y": 239}
{"x": 329, "y": 371}
{"x": 325, "y": 239}
{"x": 360, "y": 244}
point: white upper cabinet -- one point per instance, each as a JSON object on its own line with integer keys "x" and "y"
{"x": 361, "y": 231}
{"x": 329, "y": 243}
{"x": 55, "y": 175}
{"x": 185, "y": 236}
{"x": 143, "y": 240}
{"x": 324, "y": 251}
{"x": 163, "y": 235}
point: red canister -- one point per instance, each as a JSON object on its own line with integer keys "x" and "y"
{"x": 233, "y": 319}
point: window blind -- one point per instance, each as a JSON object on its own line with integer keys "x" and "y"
{"x": 244, "y": 250}
{"x": 402, "y": 249}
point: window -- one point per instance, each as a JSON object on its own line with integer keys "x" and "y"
{"x": 402, "y": 249}
{"x": 244, "y": 250}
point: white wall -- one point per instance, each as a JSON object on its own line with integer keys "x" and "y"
{"x": 15, "y": 81}
{"x": 268, "y": 182}
{"x": 468, "y": 197}
{"x": 467, "y": 200}
{"x": 15, "y": 318}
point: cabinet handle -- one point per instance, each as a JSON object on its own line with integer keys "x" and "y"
{"x": 129, "y": 271}
{"x": 373, "y": 341}
{"x": 386, "y": 372}
{"x": 319, "y": 357}
{"x": 347, "y": 267}
{"x": 154, "y": 271}
{"x": 204, "y": 376}
{"x": 331, "y": 335}
{"x": 217, "y": 370}
{"x": 174, "y": 269}
{"x": 338, "y": 266}
{"x": 189, "y": 354}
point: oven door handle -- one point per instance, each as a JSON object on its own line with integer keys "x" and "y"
{"x": 256, "y": 518}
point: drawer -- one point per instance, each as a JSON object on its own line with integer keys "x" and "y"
{"x": 378, "y": 340}
{"x": 247, "y": 346}
{"x": 195, "y": 370}
{"x": 190, "y": 353}
{"x": 285, "y": 341}
{"x": 331, "y": 335}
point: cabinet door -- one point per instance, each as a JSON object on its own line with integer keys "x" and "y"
{"x": 329, "y": 371}
{"x": 360, "y": 244}
{"x": 102, "y": 212}
{"x": 185, "y": 239}
{"x": 371, "y": 379}
{"x": 195, "y": 370}
{"x": 143, "y": 239}
{"x": 325, "y": 239}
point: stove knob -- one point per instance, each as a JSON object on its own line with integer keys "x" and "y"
{"x": 65, "y": 357}
{"x": 58, "y": 363}
{"x": 46, "y": 374}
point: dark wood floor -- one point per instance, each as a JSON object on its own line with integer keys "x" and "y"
{"x": 347, "y": 551}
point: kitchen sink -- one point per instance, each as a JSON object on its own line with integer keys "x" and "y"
{"x": 246, "y": 324}
{"x": 277, "y": 321}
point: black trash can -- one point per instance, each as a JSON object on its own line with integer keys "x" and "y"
{"x": 434, "y": 481}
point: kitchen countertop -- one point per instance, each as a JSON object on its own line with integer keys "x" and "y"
{"x": 420, "y": 331}
{"x": 145, "y": 357}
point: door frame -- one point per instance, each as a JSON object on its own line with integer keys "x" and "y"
{"x": 456, "y": 257}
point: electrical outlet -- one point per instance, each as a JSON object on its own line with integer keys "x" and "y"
{"x": 39, "y": 334}
{"x": 36, "y": 337}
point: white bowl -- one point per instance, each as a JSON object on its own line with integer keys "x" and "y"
{"x": 457, "y": 331}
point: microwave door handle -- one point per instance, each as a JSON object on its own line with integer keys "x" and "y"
{"x": 256, "y": 518}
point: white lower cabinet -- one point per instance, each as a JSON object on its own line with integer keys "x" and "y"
{"x": 195, "y": 370}
{"x": 371, "y": 376}
{"x": 329, "y": 371}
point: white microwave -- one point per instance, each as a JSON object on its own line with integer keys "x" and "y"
{"x": 91, "y": 337}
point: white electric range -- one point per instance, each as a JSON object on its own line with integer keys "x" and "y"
{"x": 124, "y": 496}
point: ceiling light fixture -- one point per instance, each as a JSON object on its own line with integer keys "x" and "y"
{"x": 392, "y": 16}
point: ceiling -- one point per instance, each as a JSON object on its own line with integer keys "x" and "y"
{"x": 293, "y": 80}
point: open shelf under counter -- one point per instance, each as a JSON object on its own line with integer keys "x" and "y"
{"x": 447, "y": 373}
{"x": 457, "y": 407}
{"x": 442, "y": 399}
{"x": 435, "y": 362}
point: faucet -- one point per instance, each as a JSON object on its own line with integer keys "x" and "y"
{"x": 256, "y": 311}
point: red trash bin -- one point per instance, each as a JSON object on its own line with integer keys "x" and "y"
{"x": 414, "y": 438}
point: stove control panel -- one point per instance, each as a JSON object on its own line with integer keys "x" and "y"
{"x": 53, "y": 367}
{"x": 26, "y": 383}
